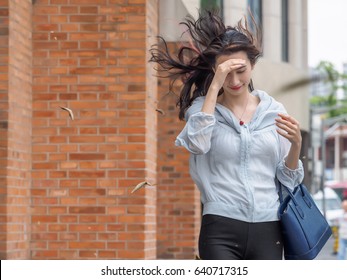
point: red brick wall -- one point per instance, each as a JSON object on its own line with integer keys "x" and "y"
{"x": 66, "y": 184}
{"x": 4, "y": 57}
{"x": 15, "y": 128}
{"x": 178, "y": 198}
{"x": 90, "y": 56}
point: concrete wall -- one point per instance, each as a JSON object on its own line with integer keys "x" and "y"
{"x": 274, "y": 77}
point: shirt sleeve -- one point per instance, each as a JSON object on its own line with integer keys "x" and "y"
{"x": 196, "y": 134}
{"x": 288, "y": 177}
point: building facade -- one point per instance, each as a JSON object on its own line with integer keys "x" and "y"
{"x": 66, "y": 182}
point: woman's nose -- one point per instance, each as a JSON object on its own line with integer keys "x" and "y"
{"x": 233, "y": 79}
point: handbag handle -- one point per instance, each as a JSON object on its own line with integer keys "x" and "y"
{"x": 303, "y": 194}
{"x": 288, "y": 191}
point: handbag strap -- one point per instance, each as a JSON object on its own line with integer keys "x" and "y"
{"x": 301, "y": 188}
{"x": 290, "y": 193}
{"x": 280, "y": 190}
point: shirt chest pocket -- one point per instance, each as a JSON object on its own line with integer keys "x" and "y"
{"x": 225, "y": 144}
{"x": 264, "y": 146}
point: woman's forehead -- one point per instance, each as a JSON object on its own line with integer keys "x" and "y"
{"x": 236, "y": 55}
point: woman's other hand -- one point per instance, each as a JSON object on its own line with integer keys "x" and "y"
{"x": 289, "y": 128}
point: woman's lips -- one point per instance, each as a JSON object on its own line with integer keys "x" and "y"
{"x": 235, "y": 88}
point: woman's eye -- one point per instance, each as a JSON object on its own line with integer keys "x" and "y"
{"x": 241, "y": 70}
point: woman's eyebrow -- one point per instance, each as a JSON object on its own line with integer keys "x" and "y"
{"x": 242, "y": 67}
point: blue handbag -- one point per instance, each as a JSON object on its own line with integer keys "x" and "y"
{"x": 304, "y": 229}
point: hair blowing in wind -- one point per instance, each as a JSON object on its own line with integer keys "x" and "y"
{"x": 195, "y": 60}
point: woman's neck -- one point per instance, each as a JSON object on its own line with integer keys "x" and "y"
{"x": 234, "y": 101}
{"x": 243, "y": 106}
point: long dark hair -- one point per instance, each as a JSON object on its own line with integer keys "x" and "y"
{"x": 209, "y": 38}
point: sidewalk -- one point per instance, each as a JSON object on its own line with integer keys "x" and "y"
{"x": 326, "y": 253}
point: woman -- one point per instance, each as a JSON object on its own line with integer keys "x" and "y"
{"x": 241, "y": 140}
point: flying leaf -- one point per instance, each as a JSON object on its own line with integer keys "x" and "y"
{"x": 68, "y": 110}
{"x": 140, "y": 185}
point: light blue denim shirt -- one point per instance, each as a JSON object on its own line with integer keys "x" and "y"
{"x": 235, "y": 166}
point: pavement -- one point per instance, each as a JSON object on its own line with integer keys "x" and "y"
{"x": 327, "y": 251}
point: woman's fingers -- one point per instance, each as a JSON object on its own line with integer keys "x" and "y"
{"x": 288, "y": 121}
{"x": 286, "y": 125}
{"x": 235, "y": 64}
{"x": 231, "y": 65}
{"x": 288, "y": 118}
{"x": 289, "y": 128}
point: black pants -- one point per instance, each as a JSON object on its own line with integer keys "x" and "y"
{"x": 223, "y": 238}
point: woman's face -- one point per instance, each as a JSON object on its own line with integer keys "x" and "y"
{"x": 237, "y": 81}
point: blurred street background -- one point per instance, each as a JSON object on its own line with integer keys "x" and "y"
{"x": 328, "y": 252}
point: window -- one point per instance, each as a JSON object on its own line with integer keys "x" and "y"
{"x": 330, "y": 153}
{"x": 212, "y": 4}
{"x": 344, "y": 154}
{"x": 255, "y": 7}
{"x": 285, "y": 31}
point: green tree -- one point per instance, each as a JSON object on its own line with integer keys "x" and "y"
{"x": 334, "y": 81}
